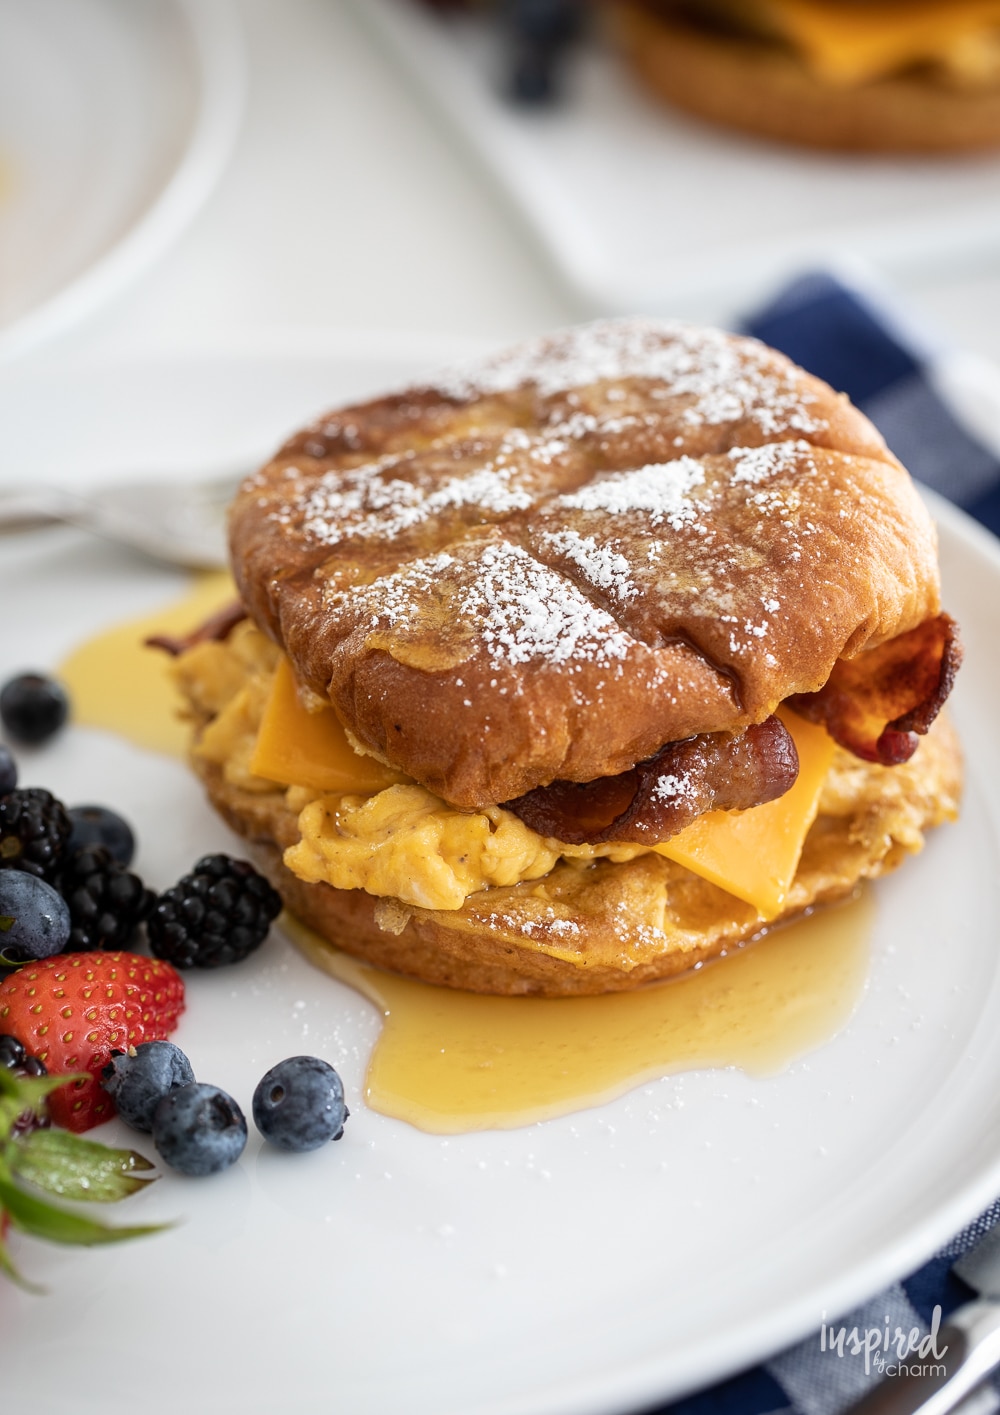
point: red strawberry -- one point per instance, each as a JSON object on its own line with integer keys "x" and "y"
{"x": 71, "y": 1010}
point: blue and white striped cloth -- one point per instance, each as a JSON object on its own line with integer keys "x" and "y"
{"x": 939, "y": 411}
{"x": 808, "y": 1380}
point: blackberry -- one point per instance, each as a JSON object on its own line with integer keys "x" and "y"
{"x": 12, "y": 1053}
{"x": 106, "y": 902}
{"x": 33, "y": 707}
{"x": 15, "y": 1057}
{"x": 8, "y": 770}
{"x": 218, "y": 914}
{"x": 34, "y": 830}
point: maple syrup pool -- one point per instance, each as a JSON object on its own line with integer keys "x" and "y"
{"x": 449, "y": 1061}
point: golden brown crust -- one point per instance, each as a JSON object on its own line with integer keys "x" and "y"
{"x": 764, "y": 89}
{"x": 607, "y": 927}
{"x": 551, "y": 564}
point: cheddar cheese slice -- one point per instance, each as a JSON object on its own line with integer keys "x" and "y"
{"x": 754, "y": 854}
{"x": 301, "y": 748}
{"x": 850, "y": 44}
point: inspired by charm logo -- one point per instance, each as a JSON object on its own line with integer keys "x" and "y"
{"x": 889, "y": 1351}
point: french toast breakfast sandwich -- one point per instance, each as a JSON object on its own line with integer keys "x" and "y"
{"x": 865, "y": 75}
{"x": 570, "y": 670}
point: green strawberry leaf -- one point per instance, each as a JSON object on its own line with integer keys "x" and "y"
{"x": 74, "y": 1168}
{"x": 19, "y": 1094}
{"x": 9, "y": 1111}
{"x": 44, "y": 1220}
{"x": 29, "y": 1091}
{"x": 8, "y": 1081}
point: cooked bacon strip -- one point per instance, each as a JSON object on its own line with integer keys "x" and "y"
{"x": 216, "y": 628}
{"x": 877, "y": 703}
{"x": 659, "y": 797}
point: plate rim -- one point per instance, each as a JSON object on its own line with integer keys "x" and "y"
{"x": 220, "y": 64}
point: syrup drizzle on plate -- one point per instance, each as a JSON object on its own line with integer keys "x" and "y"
{"x": 448, "y": 1061}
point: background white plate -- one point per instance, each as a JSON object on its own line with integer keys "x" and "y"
{"x": 590, "y": 1264}
{"x": 116, "y": 119}
{"x": 643, "y": 208}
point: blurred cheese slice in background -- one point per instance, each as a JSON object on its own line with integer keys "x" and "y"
{"x": 853, "y": 42}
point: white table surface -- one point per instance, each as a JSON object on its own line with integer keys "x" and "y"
{"x": 349, "y": 206}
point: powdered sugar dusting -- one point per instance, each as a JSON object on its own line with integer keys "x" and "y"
{"x": 394, "y": 598}
{"x": 701, "y": 377}
{"x": 604, "y": 567}
{"x": 524, "y": 611}
{"x": 663, "y": 489}
{"x": 726, "y": 379}
{"x": 362, "y": 501}
{"x": 758, "y": 464}
{"x": 673, "y": 788}
{"x": 529, "y": 612}
{"x": 550, "y": 924}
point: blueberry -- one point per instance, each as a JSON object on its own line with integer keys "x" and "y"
{"x": 97, "y": 825}
{"x": 299, "y": 1104}
{"x": 139, "y": 1079}
{"x": 33, "y": 707}
{"x": 198, "y": 1129}
{"x": 539, "y": 32}
{"x": 8, "y": 770}
{"x": 34, "y": 919}
{"x": 531, "y": 78}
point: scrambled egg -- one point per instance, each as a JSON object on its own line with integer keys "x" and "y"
{"x": 408, "y": 843}
{"x": 402, "y": 842}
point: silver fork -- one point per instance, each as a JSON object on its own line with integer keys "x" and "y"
{"x": 180, "y": 522}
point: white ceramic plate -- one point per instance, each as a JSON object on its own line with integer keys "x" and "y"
{"x": 116, "y": 119}
{"x": 590, "y": 1264}
{"x": 641, "y": 207}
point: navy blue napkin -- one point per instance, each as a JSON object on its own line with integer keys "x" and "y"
{"x": 855, "y": 341}
{"x": 858, "y": 345}
{"x": 825, "y": 1377}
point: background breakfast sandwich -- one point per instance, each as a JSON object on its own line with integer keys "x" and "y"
{"x": 870, "y": 75}
{"x": 569, "y": 670}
